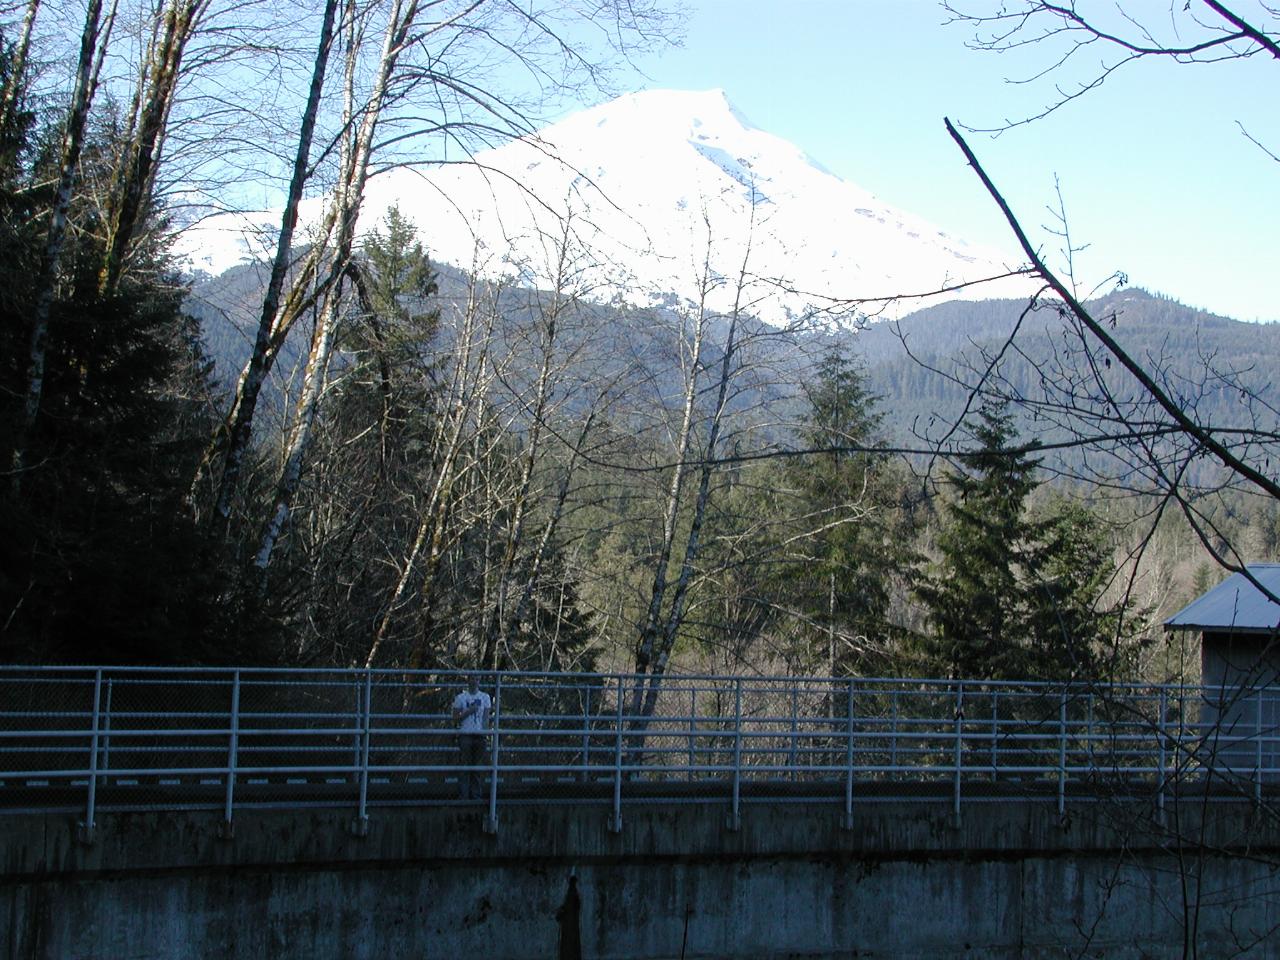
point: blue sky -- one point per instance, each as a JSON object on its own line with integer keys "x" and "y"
{"x": 1156, "y": 176}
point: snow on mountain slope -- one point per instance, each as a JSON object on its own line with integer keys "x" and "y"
{"x": 655, "y": 194}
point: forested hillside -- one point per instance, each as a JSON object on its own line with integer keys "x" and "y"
{"x": 924, "y": 364}
{"x": 352, "y": 455}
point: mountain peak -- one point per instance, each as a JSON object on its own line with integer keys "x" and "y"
{"x": 657, "y": 105}
{"x": 657, "y": 114}
{"x": 658, "y": 186}
{"x": 655, "y": 119}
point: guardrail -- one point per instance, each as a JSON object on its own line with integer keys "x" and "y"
{"x": 91, "y": 739}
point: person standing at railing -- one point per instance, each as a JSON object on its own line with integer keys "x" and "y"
{"x": 472, "y": 712}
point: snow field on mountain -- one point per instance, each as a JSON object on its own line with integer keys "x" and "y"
{"x": 652, "y": 195}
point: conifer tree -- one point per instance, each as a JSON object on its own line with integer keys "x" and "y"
{"x": 851, "y": 553}
{"x": 975, "y": 593}
{"x": 1017, "y": 593}
{"x": 393, "y": 333}
{"x": 98, "y": 563}
{"x": 373, "y": 457}
{"x": 1081, "y": 625}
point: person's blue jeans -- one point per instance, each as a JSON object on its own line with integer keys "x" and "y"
{"x": 473, "y": 748}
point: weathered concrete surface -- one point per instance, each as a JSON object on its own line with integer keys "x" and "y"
{"x": 1010, "y": 880}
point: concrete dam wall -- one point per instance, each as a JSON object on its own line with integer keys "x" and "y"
{"x": 906, "y": 880}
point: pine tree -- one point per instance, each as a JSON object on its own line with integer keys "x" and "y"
{"x": 976, "y": 593}
{"x": 1021, "y": 594}
{"x": 372, "y": 457}
{"x": 99, "y": 562}
{"x": 1080, "y": 627}
{"x": 843, "y": 579}
{"x": 393, "y": 335}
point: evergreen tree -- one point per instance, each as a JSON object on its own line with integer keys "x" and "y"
{"x": 395, "y": 327}
{"x": 99, "y": 562}
{"x": 392, "y": 339}
{"x": 976, "y": 592}
{"x": 1018, "y": 594}
{"x": 1080, "y": 627}
{"x": 371, "y": 459}
{"x": 847, "y": 563}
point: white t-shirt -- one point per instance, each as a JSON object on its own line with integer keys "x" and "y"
{"x": 477, "y": 722}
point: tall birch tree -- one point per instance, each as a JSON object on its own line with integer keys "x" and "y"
{"x": 93, "y": 42}
{"x": 360, "y": 127}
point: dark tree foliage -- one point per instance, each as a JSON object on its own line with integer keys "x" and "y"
{"x": 975, "y": 593}
{"x": 556, "y": 633}
{"x": 848, "y": 542}
{"x": 371, "y": 461}
{"x": 850, "y": 493}
{"x": 1018, "y": 593}
{"x": 98, "y": 561}
{"x": 1081, "y": 626}
{"x": 394, "y": 330}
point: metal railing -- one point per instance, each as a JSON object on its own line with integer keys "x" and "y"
{"x": 92, "y": 739}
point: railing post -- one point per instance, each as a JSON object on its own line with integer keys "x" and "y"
{"x": 357, "y": 726}
{"x": 693, "y": 725}
{"x": 586, "y": 737}
{"x": 893, "y": 732}
{"x": 233, "y": 753}
{"x": 1062, "y": 754}
{"x": 1257, "y": 775}
{"x": 106, "y": 734}
{"x": 735, "y": 816}
{"x": 959, "y": 735}
{"x": 1088, "y": 737}
{"x": 848, "y": 754}
{"x": 995, "y": 734}
{"x": 795, "y": 729}
{"x": 491, "y": 821}
{"x": 1160, "y": 753}
{"x": 360, "y": 827}
{"x": 615, "y": 822}
{"x": 90, "y": 810}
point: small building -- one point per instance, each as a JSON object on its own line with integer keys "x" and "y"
{"x": 1239, "y": 628}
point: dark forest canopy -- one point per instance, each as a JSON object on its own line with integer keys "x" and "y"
{"x": 821, "y": 563}
{"x": 352, "y": 455}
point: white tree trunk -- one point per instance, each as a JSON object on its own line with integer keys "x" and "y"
{"x": 348, "y": 195}
{"x": 93, "y": 35}
{"x": 18, "y": 66}
{"x": 652, "y": 630}
{"x": 249, "y": 387}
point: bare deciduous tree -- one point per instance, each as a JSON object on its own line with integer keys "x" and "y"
{"x": 1148, "y": 427}
{"x": 16, "y": 78}
{"x": 429, "y": 92}
{"x": 93, "y": 43}
{"x": 1138, "y": 417}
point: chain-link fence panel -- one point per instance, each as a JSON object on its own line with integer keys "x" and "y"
{"x": 47, "y": 737}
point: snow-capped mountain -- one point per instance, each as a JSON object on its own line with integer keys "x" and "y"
{"x": 657, "y": 194}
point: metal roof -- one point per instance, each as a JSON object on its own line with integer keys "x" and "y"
{"x": 1234, "y": 604}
